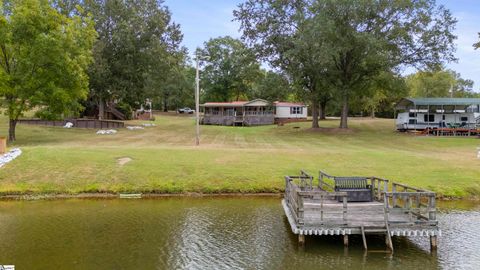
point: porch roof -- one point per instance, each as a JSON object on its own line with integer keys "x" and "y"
{"x": 255, "y": 102}
{"x": 411, "y": 102}
{"x": 289, "y": 104}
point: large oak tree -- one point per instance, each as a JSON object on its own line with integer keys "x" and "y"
{"x": 138, "y": 48}
{"x": 345, "y": 44}
{"x": 229, "y": 69}
{"x": 43, "y": 59}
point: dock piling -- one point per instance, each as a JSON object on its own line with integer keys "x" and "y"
{"x": 433, "y": 242}
{"x": 301, "y": 240}
{"x": 345, "y": 240}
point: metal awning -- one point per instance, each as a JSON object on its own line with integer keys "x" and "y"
{"x": 407, "y": 103}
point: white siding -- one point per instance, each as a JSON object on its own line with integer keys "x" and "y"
{"x": 284, "y": 112}
{"x": 403, "y": 120}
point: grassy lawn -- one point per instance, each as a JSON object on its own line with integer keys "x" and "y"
{"x": 232, "y": 159}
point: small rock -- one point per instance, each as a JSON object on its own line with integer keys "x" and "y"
{"x": 106, "y": 131}
{"x": 134, "y": 127}
{"x": 124, "y": 160}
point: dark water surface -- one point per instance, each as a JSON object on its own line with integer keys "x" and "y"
{"x": 209, "y": 233}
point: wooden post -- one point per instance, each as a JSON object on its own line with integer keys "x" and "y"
{"x": 3, "y": 145}
{"x": 320, "y": 177}
{"x": 301, "y": 240}
{"x": 432, "y": 215}
{"x": 433, "y": 242}
{"x": 364, "y": 238}
{"x": 345, "y": 240}
{"x": 394, "y": 197}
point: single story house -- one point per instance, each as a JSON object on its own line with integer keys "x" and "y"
{"x": 238, "y": 113}
{"x": 423, "y": 113}
{"x": 251, "y": 113}
{"x": 289, "y": 111}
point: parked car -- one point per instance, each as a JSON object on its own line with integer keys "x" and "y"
{"x": 186, "y": 110}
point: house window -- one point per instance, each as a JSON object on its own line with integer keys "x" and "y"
{"x": 411, "y": 114}
{"x": 296, "y": 110}
{"x": 443, "y": 117}
{"x": 429, "y": 118}
{"x": 464, "y": 119}
{"x": 412, "y": 121}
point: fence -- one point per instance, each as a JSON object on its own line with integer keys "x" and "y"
{"x": 77, "y": 123}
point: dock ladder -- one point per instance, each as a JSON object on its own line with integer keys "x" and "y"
{"x": 378, "y": 229}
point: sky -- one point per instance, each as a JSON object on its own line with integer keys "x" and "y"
{"x": 201, "y": 20}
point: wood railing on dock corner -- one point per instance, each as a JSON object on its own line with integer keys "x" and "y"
{"x": 297, "y": 194}
{"x": 419, "y": 204}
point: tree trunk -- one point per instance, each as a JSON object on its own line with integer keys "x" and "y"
{"x": 101, "y": 109}
{"x": 315, "y": 115}
{"x": 344, "y": 117}
{"x": 323, "y": 108}
{"x": 165, "y": 104}
{"x": 11, "y": 130}
{"x": 373, "y": 113}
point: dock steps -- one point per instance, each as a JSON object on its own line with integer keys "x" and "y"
{"x": 385, "y": 230}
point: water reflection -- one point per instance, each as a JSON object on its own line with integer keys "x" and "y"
{"x": 207, "y": 233}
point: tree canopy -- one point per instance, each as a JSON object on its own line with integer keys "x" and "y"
{"x": 344, "y": 45}
{"x": 229, "y": 69}
{"x": 477, "y": 45}
{"x": 43, "y": 60}
{"x": 138, "y": 42}
{"x": 439, "y": 83}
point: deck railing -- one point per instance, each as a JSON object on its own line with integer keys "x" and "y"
{"x": 419, "y": 204}
{"x": 301, "y": 198}
{"x": 254, "y": 113}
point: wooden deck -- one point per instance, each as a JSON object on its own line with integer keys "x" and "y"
{"x": 452, "y": 131}
{"x": 317, "y": 209}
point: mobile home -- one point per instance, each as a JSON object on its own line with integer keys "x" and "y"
{"x": 290, "y": 111}
{"x": 252, "y": 113}
{"x": 437, "y": 113}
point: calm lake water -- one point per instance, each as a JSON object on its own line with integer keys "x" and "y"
{"x": 209, "y": 233}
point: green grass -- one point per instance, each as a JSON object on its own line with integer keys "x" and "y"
{"x": 232, "y": 159}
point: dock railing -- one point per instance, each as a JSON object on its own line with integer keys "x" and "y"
{"x": 301, "y": 198}
{"x": 379, "y": 185}
{"x": 419, "y": 204}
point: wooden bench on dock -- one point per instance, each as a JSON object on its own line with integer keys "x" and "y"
{"x": 357, "y": 188}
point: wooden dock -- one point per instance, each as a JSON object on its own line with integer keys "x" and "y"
{"x": 324, "y": 208}
{"x": 466, "y": 132}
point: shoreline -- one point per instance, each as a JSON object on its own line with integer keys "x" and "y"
{"x": 66, "y": 196}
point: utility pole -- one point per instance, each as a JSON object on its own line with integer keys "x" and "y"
{"x": 197, "y": 98}
{"x": 197, "y": 104}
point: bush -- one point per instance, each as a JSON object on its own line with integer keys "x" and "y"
{"x": 126, "y": 109}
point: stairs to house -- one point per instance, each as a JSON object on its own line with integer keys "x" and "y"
{"x": 112, "y": 110}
